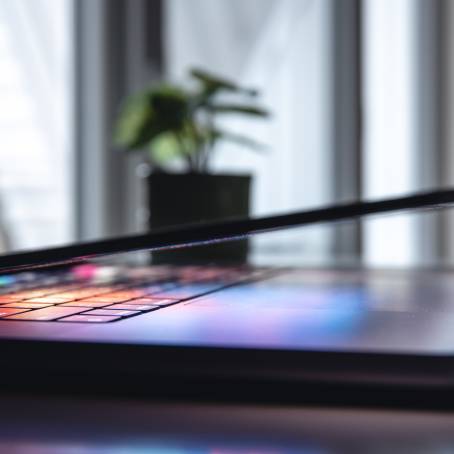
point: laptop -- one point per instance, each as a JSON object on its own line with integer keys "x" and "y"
{"x": 74, "y": 321}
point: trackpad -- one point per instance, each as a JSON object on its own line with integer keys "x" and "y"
{"x": 318, "y": 316}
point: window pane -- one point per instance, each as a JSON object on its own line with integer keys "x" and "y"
{"x": 35, "y": 89}
{"x": 390, "y": 121}
{"x": 283, "y": 48}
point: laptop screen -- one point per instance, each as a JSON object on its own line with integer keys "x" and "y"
{"x": 211, "y": 233}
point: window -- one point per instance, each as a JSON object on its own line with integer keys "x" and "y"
{"x": 400, "y": 117}
{"x": 35, "y": 121}
{"x": 353, "y": 87}
{"x": 299, "y": 54}
{"x": 284, "y": 49}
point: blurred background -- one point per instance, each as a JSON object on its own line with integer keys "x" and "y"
{"x": 360, "y": 93}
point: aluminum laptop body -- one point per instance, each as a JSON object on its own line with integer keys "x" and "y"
{"x": 347, "y": 336}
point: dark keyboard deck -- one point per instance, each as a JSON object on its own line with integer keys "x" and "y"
{"x": 70, "y": 298}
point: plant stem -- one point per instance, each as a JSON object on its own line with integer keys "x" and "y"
{"x": 187, "y": 156}
{"x": 210, "y": 142}
{"x": 198, "y": 140}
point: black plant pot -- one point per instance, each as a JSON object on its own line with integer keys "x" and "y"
{"x": 189, "y": 198}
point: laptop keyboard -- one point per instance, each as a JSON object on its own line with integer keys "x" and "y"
{"x": 95, "y": 294}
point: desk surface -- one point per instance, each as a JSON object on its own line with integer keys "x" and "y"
{"x": 38, "y": 425}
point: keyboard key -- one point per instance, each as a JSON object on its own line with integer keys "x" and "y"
{"x": 31, "y": 293}
{"x": 48, "y": 313}
{"x": 8, "y": 298}
{"x": 42, "y": 291}
{"x": 155, "y": 288}
{"x": 4, "y": 311}
{"x": 15, "y": 296}
{"x": 26, "y": 305}
{"x": 126, "y": 294}
{"x": 187, "y": 291}
{"x": 123, "y": 313}
{"x": 90, "y": 318}
{"x": 133, "y": 307}
{"x": 153, "y": 301}
{"x": 85, "y": 304}
{"x": 78, "y": 294}
{"x": 86, "y": 292}
{"x": 49, "y": 299}
{"x": 108, "y": 298}
{"x": 73, "y": 294}
{"x": 99, "y": 289}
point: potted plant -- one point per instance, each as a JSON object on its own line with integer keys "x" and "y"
{"x": 179, "y": 128}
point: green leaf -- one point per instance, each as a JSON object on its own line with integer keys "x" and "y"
{"x": 212, "y": 84}
{"x": 239, "y": 108}
{"x": 175, "y": 124}
{"x": 176, "y": 144}
{"x": 150, "y": 113}
{"x": 211, "y": 80}
{"x": 131, "y": 130}
{"x": 165, "y": 148}
{"x": 170, "y": 106}
{"x": 192, "y": 137}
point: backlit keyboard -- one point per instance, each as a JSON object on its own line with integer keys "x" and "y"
{"x": 95, "y": 294}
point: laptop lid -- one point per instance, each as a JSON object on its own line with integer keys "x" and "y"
{"x": 204, "y": 233}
